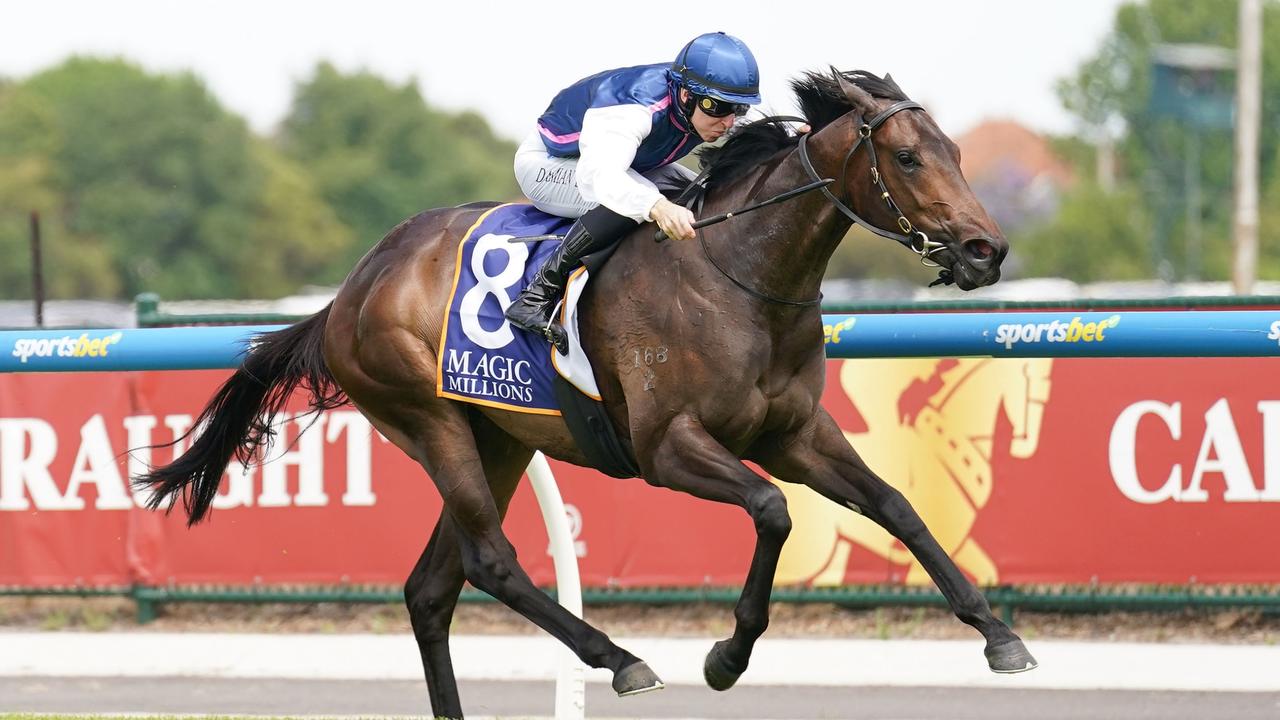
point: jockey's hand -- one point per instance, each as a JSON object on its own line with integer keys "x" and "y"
{"x": 675, "y": 221}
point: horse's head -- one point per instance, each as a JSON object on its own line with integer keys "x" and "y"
{"x": 902, "y": 174}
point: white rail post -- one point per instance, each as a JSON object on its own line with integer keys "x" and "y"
{"x": 571, "y": 700}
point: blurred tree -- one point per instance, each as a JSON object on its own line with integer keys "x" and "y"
{"x": 148, "y": 184}
{"x": 1110, "y": 95}
{"x": 863, "y": 255}
{"x": 30, "y": 140}
{"x": 1095, "y": 235}
{"x": 1269, "y": 227}
{"x": 291, "y": 206}
{"x": 379, "y": 154}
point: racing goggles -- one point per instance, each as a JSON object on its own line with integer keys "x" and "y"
{"x": 719, "y": 108}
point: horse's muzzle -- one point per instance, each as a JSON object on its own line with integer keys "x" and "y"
{"x": 977, "y": 262}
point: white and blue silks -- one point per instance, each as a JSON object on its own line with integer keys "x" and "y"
{"x": 600, "y": 142}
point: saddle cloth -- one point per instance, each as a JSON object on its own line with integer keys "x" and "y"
{"x": 483, "y": 359}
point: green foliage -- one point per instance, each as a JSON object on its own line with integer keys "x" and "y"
{"x": 290, "y": 206}
{"x": 1094, "y": 235}
{"x": 1111, "y": 92}
{"x": 31, "y": 139}
{"x": 145, "y": 183}
{"x": 1078, "y": 153}
{"x": 863, "y": 255}
{"x": 1269, "y": 229}
{"x": 379, "y": 154}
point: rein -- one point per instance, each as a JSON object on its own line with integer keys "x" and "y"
{"x": 818, "y": 183}
{"x": 911, "y": 237}
{"x": 702, "y": 240}
{"x": 695, "y": 194}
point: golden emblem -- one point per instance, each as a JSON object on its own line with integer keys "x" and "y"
{"x": 930, "y": 431}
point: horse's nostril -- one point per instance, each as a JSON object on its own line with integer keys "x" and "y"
{"x": 979, "y": 251}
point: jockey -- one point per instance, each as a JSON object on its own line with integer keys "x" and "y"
{"x": 604, "y": 141}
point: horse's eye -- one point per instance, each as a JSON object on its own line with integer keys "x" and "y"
{"x": 906, "y": 159}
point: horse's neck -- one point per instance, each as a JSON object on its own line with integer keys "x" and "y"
{"x": 783, "y": 250}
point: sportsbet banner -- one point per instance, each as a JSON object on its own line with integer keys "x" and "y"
{"x": 1026, "y": 470}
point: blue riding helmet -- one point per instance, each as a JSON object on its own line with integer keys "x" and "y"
{"x": 719, "y": 66}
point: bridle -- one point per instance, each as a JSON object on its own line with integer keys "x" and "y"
{"x": 911, "y": 237}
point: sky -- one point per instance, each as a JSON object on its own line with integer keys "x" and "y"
{"x": 964, "y": 60}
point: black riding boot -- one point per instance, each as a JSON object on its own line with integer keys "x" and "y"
{"x": 531, "y": 311}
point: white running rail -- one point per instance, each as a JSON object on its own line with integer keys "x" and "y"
{"x": 571, "y": 701}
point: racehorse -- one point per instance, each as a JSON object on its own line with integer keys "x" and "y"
{"x": 731, "y": 333}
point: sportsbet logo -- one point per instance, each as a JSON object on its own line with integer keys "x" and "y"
{"x": 1010, "y": 334}
{"x": 831, "y": 331}
{"x": 65, "y": 346}
{"x": 1275, "y": 331}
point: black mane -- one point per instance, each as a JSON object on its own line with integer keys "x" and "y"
{"x": 821, "y": 103}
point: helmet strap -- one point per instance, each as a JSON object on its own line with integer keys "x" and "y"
{"x": 685, "y": 107}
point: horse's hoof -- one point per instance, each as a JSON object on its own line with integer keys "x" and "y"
{"x": 634, "y": 679}
{"x": 1010, "y": 657}
{"x": 716, "y": 670}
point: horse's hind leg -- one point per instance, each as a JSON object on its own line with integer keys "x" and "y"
{"x": 820, "y": 457}
{"x": 686, "y": 458}
{"x": 431, "y": 592}
{"x": 378, "y": 346}
{"x": 438, "y": 436}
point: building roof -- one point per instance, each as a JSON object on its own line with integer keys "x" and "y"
{"x": 999, "y": 147}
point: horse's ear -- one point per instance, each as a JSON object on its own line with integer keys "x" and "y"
{"x": 859, "y": 98}
{"x": 889, "y": 81}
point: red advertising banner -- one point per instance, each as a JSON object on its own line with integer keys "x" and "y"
{"x": 1027, "y": 471}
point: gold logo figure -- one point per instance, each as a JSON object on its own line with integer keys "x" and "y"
{"x": 930, "y": 431}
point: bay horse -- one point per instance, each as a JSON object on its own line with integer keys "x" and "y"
{"x": 740, "y": 376}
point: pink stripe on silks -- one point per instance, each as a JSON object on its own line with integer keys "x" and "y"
{"x": 676, "y": 124}
{"x": 660, "y": 105}
{"x": 561, "y": 139}
{"x": 673, "y": 152}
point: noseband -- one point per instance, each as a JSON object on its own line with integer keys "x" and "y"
{"x": 911, "y": 237}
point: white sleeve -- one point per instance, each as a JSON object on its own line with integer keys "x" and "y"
{"x": 607, "y": 146}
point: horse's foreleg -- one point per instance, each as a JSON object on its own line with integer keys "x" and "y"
{"x": 821, "y": 458}
{"x": 690, "y": 460}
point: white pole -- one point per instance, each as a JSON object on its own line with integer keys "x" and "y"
{"x": 571, "y": 699}
{"x": 1248, "y": 117}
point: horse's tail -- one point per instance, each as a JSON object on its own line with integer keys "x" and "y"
{"x": 237, "y": 421}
